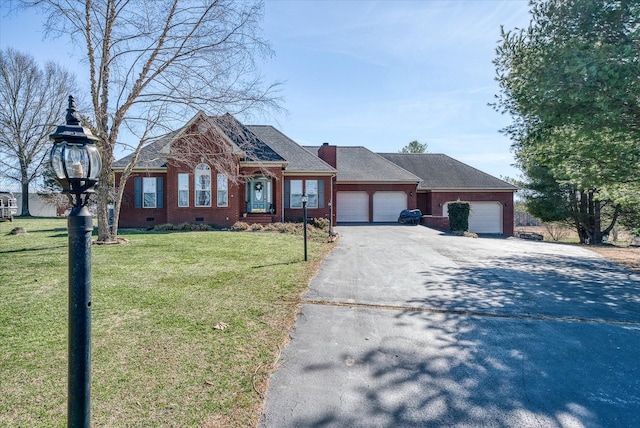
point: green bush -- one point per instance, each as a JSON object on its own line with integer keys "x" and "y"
{"x": 459, "y": 216}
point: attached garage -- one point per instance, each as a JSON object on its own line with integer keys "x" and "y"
{"x": 485, "y": 217}
{"x": 352, "y": 207}
{"x": 387, "y": 206}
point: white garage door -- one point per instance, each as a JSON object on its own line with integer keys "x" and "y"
{"x": 387, "y": 205}
{"x": 485, "y": 217}
{"x": 352, "y": 207}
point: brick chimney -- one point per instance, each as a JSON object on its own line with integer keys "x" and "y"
{"x": 328, "y": 154}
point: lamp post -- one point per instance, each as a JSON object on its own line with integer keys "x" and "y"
{"x": 76, "y": 163}
{"x": 305, "y": 199}
{"x": 330, "y": 218}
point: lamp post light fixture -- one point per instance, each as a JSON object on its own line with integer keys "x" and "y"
{"x": 76, "y": 163}
{"x": 305, "y": 199}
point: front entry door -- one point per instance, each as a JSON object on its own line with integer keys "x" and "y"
{"x": 259, "y": 196}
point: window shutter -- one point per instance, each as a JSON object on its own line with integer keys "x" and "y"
{"x": 137, "y": 192}
{"x": 320, "y": 193}
{"x": 159, "y": 192}
{"x": 287, "y": 193}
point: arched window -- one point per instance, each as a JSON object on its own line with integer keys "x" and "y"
{"x": 203, "y": 185}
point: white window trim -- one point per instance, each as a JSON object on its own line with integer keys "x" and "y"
{"x": 307, "y": 193}
{"x": 291, "y": 193}
{"x": 202, "y": 170}
{"x": 145, "y": 192}
{"x": 225, "y": 190}
{"x": 186, "y": 176}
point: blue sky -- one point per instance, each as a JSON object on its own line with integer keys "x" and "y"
{"x": 373, "y": 74}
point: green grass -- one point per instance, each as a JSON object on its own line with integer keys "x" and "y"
{"x": 157, "y": 358}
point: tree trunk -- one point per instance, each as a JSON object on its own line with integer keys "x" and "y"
{"x": 25, "y": 199}
{"x": 578, "y": 209}
{"x": 616, "y": 213}
{"x": 597, "y": 223}
{"x": 105, "y": 233}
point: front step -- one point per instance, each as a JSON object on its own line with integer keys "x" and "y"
{"x": 259, "y": 218}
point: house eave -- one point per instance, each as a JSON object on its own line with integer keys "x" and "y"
{"x": 376, "y": 182}
{"x": 309, "y": 172}
{"x": 466, "y": 189}
{"x": 253, "y": 164}
{"x": 140, "y": 169}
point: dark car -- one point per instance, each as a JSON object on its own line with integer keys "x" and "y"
{"x": 409, "y": 217}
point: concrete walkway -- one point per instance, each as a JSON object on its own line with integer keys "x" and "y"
{"x": 405, "y": 326}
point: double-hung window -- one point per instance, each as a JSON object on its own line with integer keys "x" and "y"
{"x": 311, "y": 189}
{"x": 223, "y": 190}
{"x": 183, "y": 190}
{"x": 296, "y": 193}
{"x": 149, "y": 191}
{"x": 203, "y": 185}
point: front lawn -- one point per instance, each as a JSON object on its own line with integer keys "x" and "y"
{"x": 186, "y": 326}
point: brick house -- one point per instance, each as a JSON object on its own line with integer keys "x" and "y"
{"x": 215, "y": 170}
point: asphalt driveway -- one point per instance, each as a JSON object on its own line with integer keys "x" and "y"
{"x": 405, "y": 326}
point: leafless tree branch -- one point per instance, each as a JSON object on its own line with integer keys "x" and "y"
{"x": 175, "y": 56}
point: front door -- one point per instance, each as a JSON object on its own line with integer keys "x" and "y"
{"x": 259, "y": 195}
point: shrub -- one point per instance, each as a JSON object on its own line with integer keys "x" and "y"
{"x": 256, "y": 227}
{"x": 184, "y": 227}
{"x": 459, "y": 216}
{"x": 240, "y": 226}
{"x": 287, "y": 228}
{"x": 164, "y": 227}
{"x": 556, "y": 231}
{"x": 320, "y": 223}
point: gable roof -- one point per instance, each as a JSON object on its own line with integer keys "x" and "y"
{"x": 359, "y": 164}
{"x": 150, "y": 156}
{"x": 255, "y": 149}
{"x": 441, "y": 172}
{"x": 239, "y": 137}
{"x": 300, "y": 159}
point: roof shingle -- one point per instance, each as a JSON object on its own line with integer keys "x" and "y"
{"x": 300, "y": 159}
{"x": 438, "y": 171}
{"x": 359, "y": 164}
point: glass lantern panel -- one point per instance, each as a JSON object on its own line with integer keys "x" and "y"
{"x": 95, "y": 161}
{"x": 76, "y": 161}
{"x": 56, "y": 161}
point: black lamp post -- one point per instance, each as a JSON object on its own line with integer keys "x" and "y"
{"x": 305, "y": 199}
{"x": 76, "y": 162}
{"x": 330, "y": 218}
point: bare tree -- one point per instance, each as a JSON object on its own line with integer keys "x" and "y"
{"x": 154, "y": 63}
{"x": 32, "y": 102}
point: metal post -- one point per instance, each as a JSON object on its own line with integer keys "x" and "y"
{"x": 80, "y": 226}
{"x": 330, "y": 218}
{"x": 304, "y": 222}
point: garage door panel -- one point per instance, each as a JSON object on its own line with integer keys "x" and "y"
{"x": 352, "y": 207}
{"x": 485, "y": 217}
{"x": 388, "y": 205}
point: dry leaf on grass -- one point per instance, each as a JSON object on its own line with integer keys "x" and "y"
{"x": 221, "y": 326}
